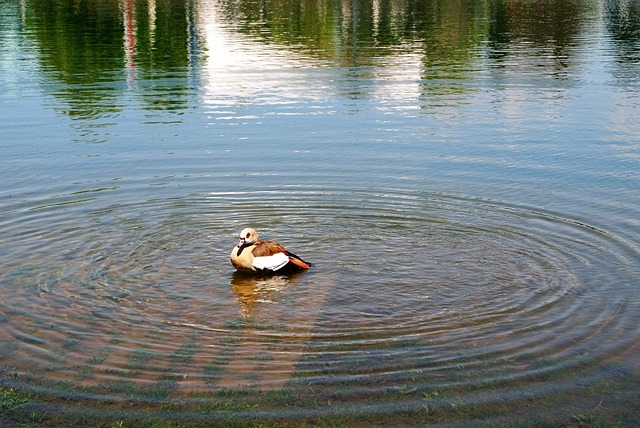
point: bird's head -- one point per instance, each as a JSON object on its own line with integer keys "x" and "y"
{"x": 248, "y": 236}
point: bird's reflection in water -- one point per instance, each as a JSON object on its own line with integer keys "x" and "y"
{"x": 253, "y": 290}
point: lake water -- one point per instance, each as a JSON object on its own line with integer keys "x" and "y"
{"x": 464, "y": 176}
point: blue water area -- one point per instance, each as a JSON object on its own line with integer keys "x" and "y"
{"x": 464, "y": 177}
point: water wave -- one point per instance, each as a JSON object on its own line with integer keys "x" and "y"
{"x": 410, "y": 291}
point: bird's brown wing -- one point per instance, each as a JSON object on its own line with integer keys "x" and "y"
{"x": 264, "y": 248}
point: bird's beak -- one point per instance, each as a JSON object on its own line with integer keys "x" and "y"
{"x": 241, "y": 243}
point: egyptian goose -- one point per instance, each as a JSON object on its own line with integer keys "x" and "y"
{"x": 259, "y": 255}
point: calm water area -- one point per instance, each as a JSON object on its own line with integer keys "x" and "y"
{"x": 464, "y": 176}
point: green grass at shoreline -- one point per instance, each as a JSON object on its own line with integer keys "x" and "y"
{"x": 605, "y": 403}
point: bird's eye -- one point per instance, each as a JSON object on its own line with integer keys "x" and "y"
{"x": 248, "y": 235}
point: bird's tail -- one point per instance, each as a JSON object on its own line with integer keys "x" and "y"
{"x": 298, "y": 261}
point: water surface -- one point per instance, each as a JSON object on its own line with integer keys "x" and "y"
{"x": 463, "y": 175}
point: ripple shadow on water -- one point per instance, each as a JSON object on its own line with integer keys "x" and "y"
{"x": 411, "y": 294}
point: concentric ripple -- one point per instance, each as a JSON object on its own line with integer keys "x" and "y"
{"x": 410, "y": 291}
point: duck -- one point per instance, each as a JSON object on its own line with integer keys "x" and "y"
{"x": 255, "y": 255}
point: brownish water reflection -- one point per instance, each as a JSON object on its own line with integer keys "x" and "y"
{"x": 253, "y": 291}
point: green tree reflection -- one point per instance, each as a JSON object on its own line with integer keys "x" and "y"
{"x": 96, "y": 50}
{"x": 92, "y": 48}
{"x": 80, "y": 46}
{"x": 161, "y": 56}
{"x": 623, "y": 24}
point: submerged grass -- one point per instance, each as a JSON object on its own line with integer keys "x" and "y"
{"x": 357, "y": 391}
{"x": 607, "y": 401}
